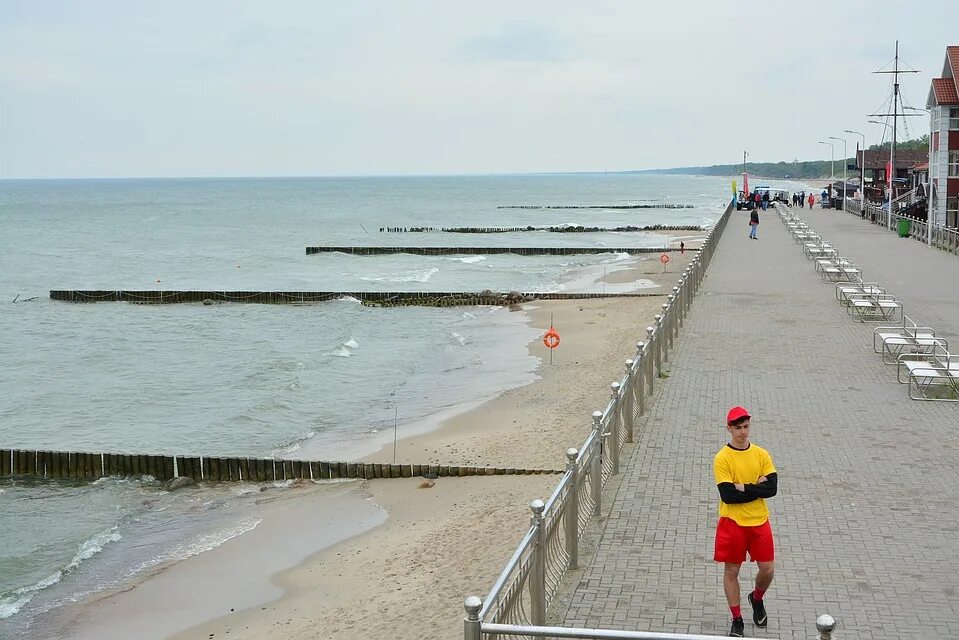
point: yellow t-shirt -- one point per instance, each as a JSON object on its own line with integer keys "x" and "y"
{"x": 743, "y": 467}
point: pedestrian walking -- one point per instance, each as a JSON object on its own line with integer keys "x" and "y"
{"x": 754, "y": 224}
{"x": 745, "y": 477}
{"x": 802, "y": 199}
{"x": 812, "y": 200}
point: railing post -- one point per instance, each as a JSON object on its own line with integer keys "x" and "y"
{"x": 679, "y": 307}
{"x": 658, "y": 343}
{"x": 825, "y": 624}
{"x": 640, "y": 384}
{"x": 537, "y": 574}
{"x": 614, "y": 427}
{"x": 629, "y": 398}
{"x": 667, "y": 338}
{"x": 596, "y": 469}
{"x": 671, "y": 299}
{"x": 472, "y": 628}
{"x": 650, "y": 356}
{"x": 572, "y": 509}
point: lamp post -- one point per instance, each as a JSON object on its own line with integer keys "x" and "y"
{"x": 888, "y": 177}
{"x": 845, "y": 161}
{"x": 862, "y": 172}
{"x": 832, "y": 171}
{"x": 929, "y": 178}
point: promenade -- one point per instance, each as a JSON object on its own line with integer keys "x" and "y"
{"x": 867, "y": 516}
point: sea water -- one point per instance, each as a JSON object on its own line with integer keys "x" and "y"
{"x": 321, "y": 381}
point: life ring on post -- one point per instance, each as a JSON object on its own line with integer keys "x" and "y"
{"x": 551, "y": 339}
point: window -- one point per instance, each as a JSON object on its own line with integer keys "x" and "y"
{"x": 953, "y": 163}
{"x": 954, "y": 118}
{"x": 952, "y": 211}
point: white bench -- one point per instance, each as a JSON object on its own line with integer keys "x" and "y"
{"x": 934, "y": 379}
{"x": 874, "y": 307}
{"x": 856, "y": 286}
{"x": 906, "y": 339}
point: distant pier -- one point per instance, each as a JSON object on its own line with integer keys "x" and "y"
{"x": 373, "y": 298}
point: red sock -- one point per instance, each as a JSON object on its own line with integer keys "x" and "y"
{"x": 736, "y": 611}
{"x": 758, "y": 594}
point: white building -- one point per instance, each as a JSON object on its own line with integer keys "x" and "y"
{"x": 943, "y": 105}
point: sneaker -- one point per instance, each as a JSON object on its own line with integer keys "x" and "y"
{"x": 738, "y": 628}
{"x": 759, "y": 611}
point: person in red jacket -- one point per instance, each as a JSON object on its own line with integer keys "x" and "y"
{"x": 812, "y": 200}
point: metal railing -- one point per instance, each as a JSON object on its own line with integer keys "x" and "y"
{"x": 517, "y": 603}
{"x": 944, "y": 238}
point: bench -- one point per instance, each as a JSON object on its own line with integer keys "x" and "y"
{"x": 867, "y": 307}
{"x": 846, "y": 289}
{"x": 934, "y": 378}
{"x": 892, "y": 341}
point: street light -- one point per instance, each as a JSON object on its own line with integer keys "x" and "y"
{"x": 862, "y": 173}
{"x": 845, "y": 161}
{"x": 888, "y": 178}
{"x": 832, "y": 172}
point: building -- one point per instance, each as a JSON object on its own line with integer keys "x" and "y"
{"x": 943, "y": 106}
{"x": 874, "y": 163}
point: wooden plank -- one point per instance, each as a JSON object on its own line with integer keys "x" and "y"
{"x": 406, "y": 471}
{"x": 53, "y": 471}
{"x": 298, "y": 469}
{"x": 168, "y": 467}
{"x": 235, "y": 469}
{"x": 71, "y": 471}
{"x": 5, "y": 466}
{"x": 417, "y": 470}
{"x": 144, "y": 464}
{"x": 324, "y": 470}
{"x": 31, "y": 468}
{"x": 260, "y": 469}
{"x": 213, "y": 464}
{"x": 443, "y": 471}
{"x": 368, "y": 472}
{"x": 342, "y": 466}
{"x": 288, "y": 469}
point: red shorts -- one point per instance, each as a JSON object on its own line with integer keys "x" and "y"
{"x": 733, "y": 541}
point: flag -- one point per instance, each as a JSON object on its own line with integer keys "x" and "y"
{"x": 745, "y": 183}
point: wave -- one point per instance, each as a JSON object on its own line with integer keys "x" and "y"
{"x": 199, "y": 544}
{"x": 13, "y": 602}
{"x": 342, "y": 352}
{"x": 352, "y": 343}
{"x": 408, "y": 276}
{"x": 458, "y": 338}
{"x": 469, "y": 259}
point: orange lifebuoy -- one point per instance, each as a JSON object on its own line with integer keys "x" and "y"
{"x": 551, "y": 339}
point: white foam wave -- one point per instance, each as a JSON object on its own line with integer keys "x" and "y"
{"x": 16, "y": 600}
{"x": 348, "y": 299}
{"x": 466, "y": 314}
{"x": 458, "y": 338}
{"x": 351, "y": 343}
{"x": 200, "y": 544}
{"x": 342, "y": 352}
{"x": 469, "y": 259}
{"x": 408, "y": 276}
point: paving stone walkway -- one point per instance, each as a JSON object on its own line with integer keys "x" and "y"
{"x": 867, "y": 516}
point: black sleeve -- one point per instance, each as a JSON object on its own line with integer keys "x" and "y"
{"x": 729, "y": 494}
{"x": 764, "y": 489}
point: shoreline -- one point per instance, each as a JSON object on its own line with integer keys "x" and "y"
{"x": 408, "y": 575}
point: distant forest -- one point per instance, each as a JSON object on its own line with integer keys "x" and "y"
{"x": 795, "y": 169}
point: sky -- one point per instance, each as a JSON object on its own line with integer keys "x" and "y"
{"x": 113, "y": 88}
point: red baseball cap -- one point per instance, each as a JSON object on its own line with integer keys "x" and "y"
{"x": 735, "y": 414}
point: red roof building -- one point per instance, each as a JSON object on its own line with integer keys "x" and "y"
{"x": 943, "y": 105}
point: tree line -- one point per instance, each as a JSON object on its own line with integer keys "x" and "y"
{"x": 796, "y": 169}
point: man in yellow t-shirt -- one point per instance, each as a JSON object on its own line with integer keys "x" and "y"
{"x": 745, "y": 477}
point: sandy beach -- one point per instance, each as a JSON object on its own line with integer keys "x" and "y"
{"x": 408, "y": 577}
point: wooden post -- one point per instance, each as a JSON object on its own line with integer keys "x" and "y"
{"x": 342, "y": 466}
{"x": 214, "y": 468}
{"x": 288, "y": 470}
{"x": 5, "y": 466}
{"x": 235, "y": 469}
{"x": 325, "y": 470}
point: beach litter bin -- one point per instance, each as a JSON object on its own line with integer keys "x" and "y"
{"x": 904, "y": 227}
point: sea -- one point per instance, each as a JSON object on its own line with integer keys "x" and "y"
{"x": 332, "y": 380}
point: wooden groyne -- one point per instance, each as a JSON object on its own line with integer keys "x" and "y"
{"x": 91, "y": 466}
{"x": 552, "y": 229}
{"x": 648, "y": 205}
{"x": 449, "y": 251}
{"x": 372, "y": 298}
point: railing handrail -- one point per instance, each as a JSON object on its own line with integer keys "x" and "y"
{"x": 589, "y": 634}
{"x": 589, "y": 468}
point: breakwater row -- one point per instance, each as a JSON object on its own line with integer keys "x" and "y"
{"x": 554, "y": 229}
{"x": 91, "y": 466}
{"x": 449, "y": 251}
{"x": 649, "y": 205}
{"x": 374, "y": 298}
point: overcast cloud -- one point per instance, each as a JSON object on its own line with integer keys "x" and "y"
{"x": 114, "y": 88}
